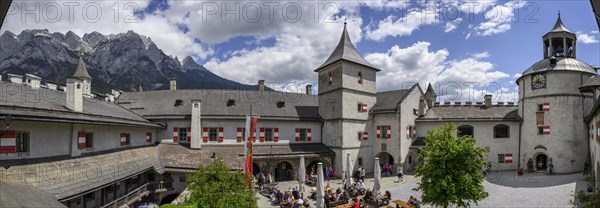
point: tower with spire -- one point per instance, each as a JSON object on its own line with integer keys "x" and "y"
{"x": 346, "y": 93}
{"x": 559, "y": 41}
{"x": 78, "y": 86}
{"x": 430, "y": 96}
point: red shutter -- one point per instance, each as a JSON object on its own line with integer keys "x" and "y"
{"x": 239, "y": 135}
{"x": 546, "y": 107}
{"x": 359, "y": 77}
{"x": 148, "y": 137}
{"x": 414, "y": 132}
{"x": 8, "y": 142}
{"x": 220, "y": 134}
{"x": 408, "y": 134}
{"x": 308, "y": 135}
{"x": 378, "y": 131}
{"x": 189, "y": 134}
{"x": 205, "y": 135}
{"x": 81, "y": 140}
{"x": 175, "y": 134}
{"x": 276, "y": 134}
{"x": 297, "y": 134}
{"x": 508, "y": 158}
{"x": 546, "y": 129}
{"x": 365, "y": 108}
{"x": 389, "y": 132}
{"x": 262, "y": 134}
{"x": 330, "y": 79}
{"x": 123, "y": 139}
{"x": 365, "y": 136}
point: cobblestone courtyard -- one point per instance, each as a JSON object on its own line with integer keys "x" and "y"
{"x": 506, "y": 189}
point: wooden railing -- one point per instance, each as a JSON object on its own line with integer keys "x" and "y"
{"x": 130, "y": 198}
{"x": 159, "y": 187}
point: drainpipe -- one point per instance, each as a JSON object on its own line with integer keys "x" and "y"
{"x": 521, "y": 128}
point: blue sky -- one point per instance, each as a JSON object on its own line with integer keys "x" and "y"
{"x": 488, "y": 45}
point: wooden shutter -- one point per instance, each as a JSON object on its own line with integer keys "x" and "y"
{"x": 8, "y": 142}
{"x": 508, "y": 158}
{"x": 378, "y": 131}
{"x": 204, "y": 134}
{"x": 239, "y": 134}
{"x": 220, "y": 134}
{"x": 297, "y": 134}
{"x": 189, "y": 134}
{"x": 389, "y": 132}
{"x": 123, "y": 139}
{"x": 546, "y": 107}
{"x": 365, "y": 136}
{"x": 276, "y": 134}
{"x": 175, "y": 134}
{"x": 414, "y": 132}
{"x": 81, "y": 140}
{"x": 262, "y": 135}
{"x": 308, "y": 135}
{"x": 546, "y": 129}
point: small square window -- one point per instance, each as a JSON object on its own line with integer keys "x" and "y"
{"x": 500, "y": 158}
{"x": 89, "y": 140}
{"x": 540, "y": 130}
{"x": 540, "y": 107}
{"x": 302, "y": 134}
{"x": 212, "y": 134}
{"x": 268, "y": 134}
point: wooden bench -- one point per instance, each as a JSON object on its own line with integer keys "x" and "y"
{"x": 335, "y": 204}
{"x": 402, "y": 204}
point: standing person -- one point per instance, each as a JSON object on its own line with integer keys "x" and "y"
{"x": 385, "y": 170}
{"x": 550, "y": 166}
{"x": 585, "y": 168}
{"x": 400, "y": 176}
{"x": 530, "y": 165}
{"x": 261, "y": 180}
{"x": 362, "y": 174}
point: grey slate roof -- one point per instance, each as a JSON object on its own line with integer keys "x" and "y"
{"x": 452, "y": 113}
{"x": 419, "y": 142}
{"x": 16, "y": 194}
{"x": 74, "y": 176}
{"x": 590, "y": 84}
{"x": 559, "y": 26}
{"x": 156, "y": 104}
{"x": 81, "y": 71}
{"x": 178, "y": 157}
{"x": 430, "y": 90}
{"x": 562, "y": 64}
{"x": 25, "y": 103}
{"x": 388, "y": 101}
{"x": 345, "y": 51}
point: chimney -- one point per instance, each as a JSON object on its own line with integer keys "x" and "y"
{"x": 309, "y": 89}
{"x": 116, "y": 93}
{"x": 173, "y": 83}
{"x": 196, "y": 124}
{"x": 468, "y": 103}
{"x": 488, "y": 101}
{"x": 422, "y": 105}
{"x": 14, "y": 78}
{"x": 74, "y": 94}
{"x": 261, "y": 85}
{"x": 552, "y": 61}
{"x": 33, "y": 81}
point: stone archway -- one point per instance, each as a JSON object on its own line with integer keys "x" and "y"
{"x": 284, "y": 171}
{"x": 312, "y": 165}
{"x": 169, "y": 198}
{"x": 385, "y": 158}
{"x": 541, "y": 162}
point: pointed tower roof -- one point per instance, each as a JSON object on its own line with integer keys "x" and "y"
{"x": 430, "y": 90}
{"x": 345, "y": 51}
{"x": 559, "y": 26}
{"x": 81, "y": 71}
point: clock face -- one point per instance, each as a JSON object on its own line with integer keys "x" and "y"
{"x": 538, "y": 81}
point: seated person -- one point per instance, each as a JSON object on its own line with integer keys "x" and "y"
{"x": 361, "y": 185}
{"x": 413, "y": 201}
{"x": 386, "y": 197}
{"x": 368, "y": 196}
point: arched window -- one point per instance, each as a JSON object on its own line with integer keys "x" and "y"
{"x": 465, "y": 130}
{"x": 501, "y": 131}
{"x": 360, "y": 78}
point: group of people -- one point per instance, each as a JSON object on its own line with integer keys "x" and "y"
{"x": 261, "y": 179}
{"x": 359, "y": 175}
{"x": 289, "y": 199}
{"x": 386, "y": 170}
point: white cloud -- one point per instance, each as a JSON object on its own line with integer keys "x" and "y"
{"x": 450, "y": 26}
{"x": 394, "y": 26}
{"x": 417, "y": 63}
{"x": 594, "y": 32}
{"x": 498, "y": 18}
{"x": 517, "y": 75}
{"x": 468, "y": 36}
{"x": 587, "y": 39}
{"x": 481, "y": 55}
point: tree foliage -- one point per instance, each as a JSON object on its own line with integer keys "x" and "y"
{"x": 216, "y": 186}
{"x": 583, "y": 199}
{"x": 450, "y": 169}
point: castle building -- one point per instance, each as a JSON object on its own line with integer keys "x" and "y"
{"x": 77, "y": 148}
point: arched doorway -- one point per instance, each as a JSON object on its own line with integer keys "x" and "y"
{"x": 541, "y": 162}
{"x": 169, "y": 198}
{"x": 255, "y": 169}
{"x": 385, "y": 158}
{"x": 312, "y": 166}
{"x": 283, "y": 171}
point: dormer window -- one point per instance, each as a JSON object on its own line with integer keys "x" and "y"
{"x": 230, "y": 102}
{"x": 178, "y": 102}
{"x": 360, "y": 78}
{"x": 281, "y": 104}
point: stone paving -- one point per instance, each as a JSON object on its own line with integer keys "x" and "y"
{"x": 506, "y": 189}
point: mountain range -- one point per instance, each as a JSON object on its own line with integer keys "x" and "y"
{"x": 126, "y": 61}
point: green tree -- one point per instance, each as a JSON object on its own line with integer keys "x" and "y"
{"x": 216, "y": 186}
{"x": 583, "y": 199}
{"x": 450, "y": 169}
